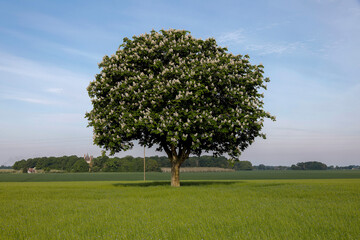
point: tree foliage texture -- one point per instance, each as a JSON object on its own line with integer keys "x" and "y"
{"x": 181, "y": 94}
{"x": 313, "y": 165}
{"x": 125, "y": 164}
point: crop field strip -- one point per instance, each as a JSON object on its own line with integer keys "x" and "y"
{"x": 157, "y": 176}
{"x": 231, "y": 209}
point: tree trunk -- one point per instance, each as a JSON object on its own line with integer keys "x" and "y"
{"x": 175, "y": 174}
{"x": 176, "y": 160}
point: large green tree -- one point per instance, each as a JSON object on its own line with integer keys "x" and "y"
{"x": 181, "y": 94}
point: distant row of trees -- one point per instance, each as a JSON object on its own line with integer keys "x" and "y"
{"x": 266, "y": 167}
{"x": 5, "y": 167}
{"x": 155, "y": 163}
{"x": 66, "y": 163}
{"x": 124, "y": 164}
{"x": 309, "y": 166}
{"x": 344, "y": 167}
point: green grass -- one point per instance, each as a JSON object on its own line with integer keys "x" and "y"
{"x": 155, "y": 176}
{"x": 245, "y": 209}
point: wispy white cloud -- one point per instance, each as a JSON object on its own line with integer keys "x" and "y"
{"x": 29, "y": 100}
{"x": 232, "y": 37}
{"x": 51, "y": 44}
{"x": 355, "y": 11}
{"x": 81, "y": 53}
{"x": 37, "y": 70}
{"x": 65, "y": 28}
{"x": 60, "y": 118}
{"x": 273, "y": 25}
{"x": 54, "y": 90}
{"x": 315, "y": 100}
{"x": 244, "y": 40}
{"x": 271, "y": 48}
{"x": 26, "y": 80}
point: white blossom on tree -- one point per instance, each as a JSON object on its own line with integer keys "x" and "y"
{"x": 181, "y": 94}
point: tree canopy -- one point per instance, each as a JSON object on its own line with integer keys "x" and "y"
{"x": 183, "y": 95}
{"x": 312, "y": 165}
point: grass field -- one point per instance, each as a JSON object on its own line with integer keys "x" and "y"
{"x": 216, "y": 209}
{"x": 156, "y": 176}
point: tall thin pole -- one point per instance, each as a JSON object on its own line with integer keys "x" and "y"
{"x": 144, "y": 165}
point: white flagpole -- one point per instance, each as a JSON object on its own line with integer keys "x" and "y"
{"x": 144, "y": 165}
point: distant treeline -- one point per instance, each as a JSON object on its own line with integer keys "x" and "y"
{"x": 312, "y": 165}
{"x": 299, "y": 166}
{"x": 124, "y": 164}
{"x": 5, "y": 167}
{"x": 153, "y": 164}
{"x": 344, "y": 167}
{"x": 309, "y": 166}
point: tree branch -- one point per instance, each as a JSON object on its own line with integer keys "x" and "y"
{"x": 167, "y": 150}
{"x": 173, "y": 151}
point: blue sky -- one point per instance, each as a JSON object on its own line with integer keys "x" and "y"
{"x": 310, "y": 49}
